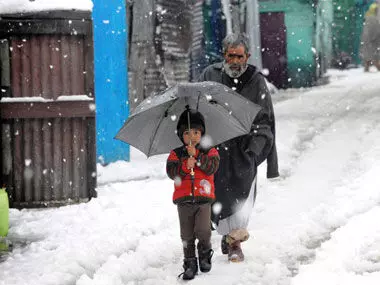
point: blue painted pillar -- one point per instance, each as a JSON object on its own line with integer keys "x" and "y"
{"x": 111, "y": 78}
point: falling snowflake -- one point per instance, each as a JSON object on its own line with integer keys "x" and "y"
{"x": 177, "y": 181}
{"x": 217, "y": 208}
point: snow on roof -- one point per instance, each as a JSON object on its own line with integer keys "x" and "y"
{"x": 25, "y": 6}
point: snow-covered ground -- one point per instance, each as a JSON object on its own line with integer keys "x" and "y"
{"x": 317, "y": 224}
{"x": 22, "y": 6}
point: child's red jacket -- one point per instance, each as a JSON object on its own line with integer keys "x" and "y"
{"x": 207, "y": 164}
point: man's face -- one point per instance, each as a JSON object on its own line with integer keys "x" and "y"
{"x": 235, "y": 61}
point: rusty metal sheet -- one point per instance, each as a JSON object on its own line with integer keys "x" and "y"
{"x": 49, "y": 140}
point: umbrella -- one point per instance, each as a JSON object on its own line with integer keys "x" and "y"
{"x": 151, "y": 127}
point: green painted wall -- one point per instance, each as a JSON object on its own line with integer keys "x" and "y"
{"x": 348, "y": 25}
{"x": 300, "y": 21}
{"x": 344, "y": 27}
{"x": 325, "y": 16}
{"x": 300, "y": 43}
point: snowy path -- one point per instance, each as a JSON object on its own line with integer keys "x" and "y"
{"x": 319, "y": 223}
{"x": 325, "y": 186}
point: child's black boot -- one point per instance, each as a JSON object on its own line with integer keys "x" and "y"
{"x": 190, "y": 265}
{"x": 205, "y": 259}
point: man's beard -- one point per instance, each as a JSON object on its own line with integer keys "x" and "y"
{"x": 234, "y": 73}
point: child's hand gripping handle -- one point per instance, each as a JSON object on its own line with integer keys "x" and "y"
{"x": 191, "y": 161}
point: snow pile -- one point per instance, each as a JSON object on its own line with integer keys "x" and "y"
{"x": 25, "y": 6}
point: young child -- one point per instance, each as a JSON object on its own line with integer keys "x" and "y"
{"x": 192, "y": 168}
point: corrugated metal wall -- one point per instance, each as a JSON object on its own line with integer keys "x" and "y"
{"x": 47, "y": 66}
{"x": 166, "y": 45}
{"x": 144, "y": 73}
{"x": 198, "y": 52}
{"x": 49, "y": 139}
{"x": 174, "y": 21}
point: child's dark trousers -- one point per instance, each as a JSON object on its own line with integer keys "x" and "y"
{"x": 195, "y": 224}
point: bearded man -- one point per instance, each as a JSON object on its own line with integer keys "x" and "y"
{"x": 235, "y": 181}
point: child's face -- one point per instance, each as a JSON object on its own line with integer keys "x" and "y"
{"x": 194, "y": 135}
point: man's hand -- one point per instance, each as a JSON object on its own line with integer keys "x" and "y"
{"x": 191, "y": 162}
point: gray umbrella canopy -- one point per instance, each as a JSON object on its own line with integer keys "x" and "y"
{"x": 152, "y": 126}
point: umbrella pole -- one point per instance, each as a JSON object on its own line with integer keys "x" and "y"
{"x": 192, "y": 169}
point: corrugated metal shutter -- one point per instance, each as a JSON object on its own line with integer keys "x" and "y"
{"x": 166, "y": 45}
{"x": 48, "y": 111}
{"x": 198, "y": 60}
{"x": 174, "y": 22}
{"x": 144, "y": 71}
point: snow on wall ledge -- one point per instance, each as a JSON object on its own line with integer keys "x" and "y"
{"x": 25, "y": 6}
